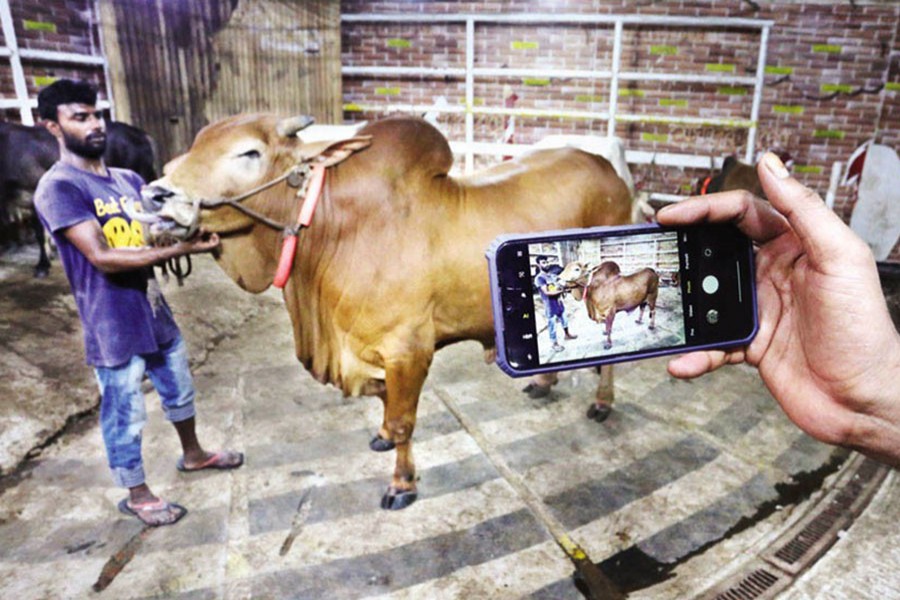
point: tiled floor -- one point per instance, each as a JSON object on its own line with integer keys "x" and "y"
{"x": 676, "y": 468}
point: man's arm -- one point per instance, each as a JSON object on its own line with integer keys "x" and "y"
{"x": 90, "y": 241}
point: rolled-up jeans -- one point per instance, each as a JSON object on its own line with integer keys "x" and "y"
{"x": 122, "y": 410}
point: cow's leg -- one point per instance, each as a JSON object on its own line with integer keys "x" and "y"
{"x": 382, "y": 440}
{"x": 42, "y": 269}
{"x": 652, "y": 302}
{"x": 404, "y": 379}
{"x": 609, "y": 323}
{"x": 603, "y": 401}
{"x": 540, "y": 384}
{"x": 640, "y": 318}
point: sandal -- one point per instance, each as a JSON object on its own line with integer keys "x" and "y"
{"x": 153, "y": 514}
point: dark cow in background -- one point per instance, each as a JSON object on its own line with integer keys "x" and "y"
{"x": 737, "y": 175}
{"x": 606, "y": 291}
{"x": 26, "y": 153}
{"x": 363, "y": 320}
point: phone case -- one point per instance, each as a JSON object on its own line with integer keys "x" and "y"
{"x": 499, "y": 338}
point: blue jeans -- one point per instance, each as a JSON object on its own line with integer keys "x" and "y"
{"x": 551, "y": 321}
{"x": 122, "y": 410}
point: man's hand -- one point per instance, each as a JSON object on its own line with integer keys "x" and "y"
{"x": 826, "y": 348}
{"x": 200, "y": 243}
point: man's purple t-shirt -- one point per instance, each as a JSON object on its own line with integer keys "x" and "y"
{"x": 123, "y": 314}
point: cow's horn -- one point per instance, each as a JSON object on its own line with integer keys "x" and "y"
{"x": 290, "y": 126}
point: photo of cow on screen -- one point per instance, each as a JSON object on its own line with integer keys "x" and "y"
{"x": 606, "y": 291}
{"x": 602, "y": 281}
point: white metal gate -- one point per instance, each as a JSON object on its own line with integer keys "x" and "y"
{"x": 615, "y": 75}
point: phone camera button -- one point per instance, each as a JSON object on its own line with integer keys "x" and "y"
{"x": 707, "y": 252}
{"x": 712, "y": 317}
{"x": 710, "y": 284}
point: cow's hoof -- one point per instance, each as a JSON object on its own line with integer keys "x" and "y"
{"x": 394, "y": 500}
{"x": 41, "y": 273}
{"x": 535, "y": 391}
{"x": 599, "y": 412}
{"x": 380, "y": 444}
{"x": 606, "y": 346}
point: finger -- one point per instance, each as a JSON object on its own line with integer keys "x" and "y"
{"x": 756, "y": 218}
{"x": 822, "y": 233}
{"x": 695, "y": 364}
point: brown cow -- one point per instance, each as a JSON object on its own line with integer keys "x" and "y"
{"x": 606, "y": 291}
{"x": 392, "y": 267}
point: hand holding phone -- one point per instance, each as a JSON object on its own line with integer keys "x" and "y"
{"x": 584, "y": 297}
{"x": 827, "y": 349}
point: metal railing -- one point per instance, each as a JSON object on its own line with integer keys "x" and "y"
{"x": 615, "y": 75}
{"x": 23, "y": 102}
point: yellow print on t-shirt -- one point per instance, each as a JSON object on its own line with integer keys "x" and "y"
{"x": 120, "y": 232}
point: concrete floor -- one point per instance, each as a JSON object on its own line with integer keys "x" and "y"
{"x": 685, "y": 480}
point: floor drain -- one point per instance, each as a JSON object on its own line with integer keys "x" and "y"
{"x": 815, "y": 534}
{"x": 761, "y": 583}
{"x": 807, "y": 540}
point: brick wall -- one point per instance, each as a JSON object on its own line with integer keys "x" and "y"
{"x": 815, "y": 50}
{"x": 55, "y": 25}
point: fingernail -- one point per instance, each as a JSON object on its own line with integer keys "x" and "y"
{"x": 775, "y": 166}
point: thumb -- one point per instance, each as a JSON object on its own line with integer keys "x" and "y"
{"x": 822, "y": 233}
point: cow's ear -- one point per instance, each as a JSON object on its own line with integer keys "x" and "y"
{"x": 331, "y": 152}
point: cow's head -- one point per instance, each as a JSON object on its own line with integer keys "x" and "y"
{"x": 574, "y": 273}
{"x": 230, "y": 159}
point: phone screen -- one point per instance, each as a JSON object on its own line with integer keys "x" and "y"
{"x": 586, "y": 297}
{"x": 629, "y": 283}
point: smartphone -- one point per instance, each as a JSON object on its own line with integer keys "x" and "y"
{"x": 585, "y": 297}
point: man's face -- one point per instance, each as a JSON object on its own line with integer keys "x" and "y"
{"x": 83, "y": 129}
{"x": 543, "y": 264}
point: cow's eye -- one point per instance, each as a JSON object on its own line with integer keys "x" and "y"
{"x": 253, "y": 154}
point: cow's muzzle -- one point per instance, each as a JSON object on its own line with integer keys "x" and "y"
{"x": 168, "y": 216}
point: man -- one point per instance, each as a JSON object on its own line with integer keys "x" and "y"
{"x": 551, "y": 292}
{"x": 128, "y": 327}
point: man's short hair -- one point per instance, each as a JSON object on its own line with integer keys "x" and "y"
{"x": 541, "y": 257}
{"x": 64, "y": 91}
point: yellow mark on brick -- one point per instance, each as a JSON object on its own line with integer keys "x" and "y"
{"x": 774, "y": 70}
{"x": 787, "y": 109}
{"x": 663, "y": 50}
{"x": 38, "y": 26}
{"x": 399, "y": 43}
{"x": 524, "y": 45}
{"x": 836, "y": 87}
{"x": 655, "y": 137}
{"x": 827, "y": 48}
{"x": 387, "y": 91}
{"x": 830, "y": 134}
{"x": 719, "y": 68}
